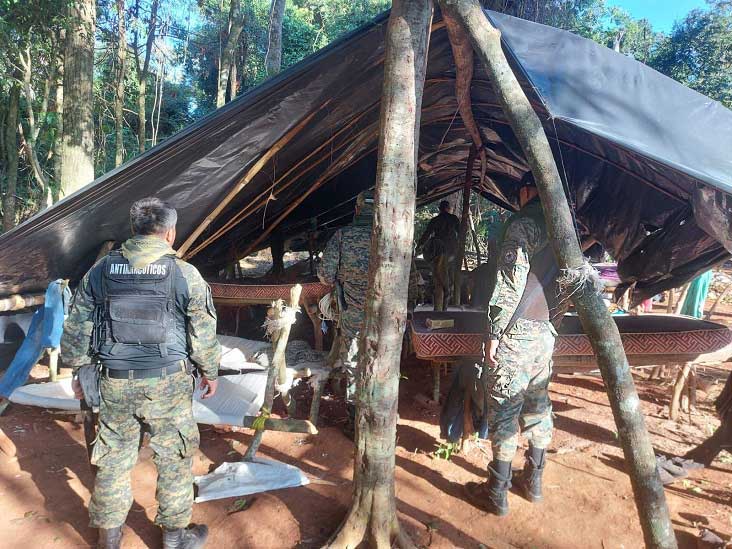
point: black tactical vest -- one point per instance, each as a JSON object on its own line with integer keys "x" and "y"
{"x": 137, "y": 309}
{"x": 540, "y": 300}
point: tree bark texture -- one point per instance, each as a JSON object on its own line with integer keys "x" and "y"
{"x": 372, "y": 518}
{"x": 59, "y": 101}
{"x": 11, "y": 156}
{"x": 143, "y": 70}
{"x": 119, "y": 92}
{"x": 597, "y": 323}
{"x": 236, "y": 24}
{"x": 77, "y": 152}
{"x": 273, "y": 63}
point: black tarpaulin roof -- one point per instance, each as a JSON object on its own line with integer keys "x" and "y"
{"x": 632, "y": 145}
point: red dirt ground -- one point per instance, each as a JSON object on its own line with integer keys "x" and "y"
{"x": 588, "y": 503}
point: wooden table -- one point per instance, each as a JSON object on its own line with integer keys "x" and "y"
{"x": 238, "y": 295}
{"x": 648, "y": 340}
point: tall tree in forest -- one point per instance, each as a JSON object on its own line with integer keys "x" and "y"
{"x": 11, "y": 157}
{"x": 273, "y": 60}
{"x": 234, "y": 28}
{"x": 77, "y": 150}
{"x": 372, "y": 518}
{"x": 119, "y": 92}
{"x": 142, "y": 66}
{"x": 698, "y": 52}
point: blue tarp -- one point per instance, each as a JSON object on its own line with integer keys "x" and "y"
{"x": 44, "y": 333}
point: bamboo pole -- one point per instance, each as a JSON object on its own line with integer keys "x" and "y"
{"x": 268, "y": 192}
{"x": 598, "y": 325}
{"x": 276, "y": 370}
{"x": 244, "y": 181}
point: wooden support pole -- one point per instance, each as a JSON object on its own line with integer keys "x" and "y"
{"x": 53, "y": 364}
{"x": 678, "y": 390}
{"x": 682, "y": 298}
{"x": 598, "y": 325}
{"x": 462, "y": 235}
{"x": 277, "y": 370}
{"x": 717, "y": 301}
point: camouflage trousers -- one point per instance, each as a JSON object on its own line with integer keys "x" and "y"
{"x": 518, "y": 388}
{"x": 162, "y": 407}
{"x": 344, "y": 356}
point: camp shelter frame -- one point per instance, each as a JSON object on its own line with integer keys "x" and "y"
{"x": 631, "y": 144}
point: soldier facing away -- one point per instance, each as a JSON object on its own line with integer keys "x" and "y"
{"x": 439, "y": 242}
{"x": 144, "y": 314}
{"x": 518, "y": 354}
{"x": 345, "y": 265}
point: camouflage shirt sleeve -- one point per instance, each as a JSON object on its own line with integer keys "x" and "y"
{"x": 203, "y": 345}
{"x": 521, "y": 241}
{"x": 328, "y": 266}
{"x": 78, "y": 327}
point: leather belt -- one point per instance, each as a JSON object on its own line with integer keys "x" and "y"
{"x": 148, "y": 373}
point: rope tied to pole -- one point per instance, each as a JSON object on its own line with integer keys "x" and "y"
{"x": 288, "y": 317}
{"x": 575, "y": 280}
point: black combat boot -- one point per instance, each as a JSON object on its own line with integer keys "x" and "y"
{"x": 110, "y": 538}
{"x": 492, "y": 495}
{"x": 529, "y": 481}
{"x": 193, "y": 537}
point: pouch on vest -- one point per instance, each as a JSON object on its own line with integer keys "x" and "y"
{"x": 138, "y": 302}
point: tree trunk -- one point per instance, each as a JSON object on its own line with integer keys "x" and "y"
{"x": 597, "y": 323}
{"x": 58, "y": 143}
{"x": 11, "y": 155}
{"x": 236, "y": 24}
{"x": 77, "y": 152}
{"x": 119, "y": 95}
{"x": 273, "y": 63}
{"x": 143, "y": 70}
{"x": 28, "y": 140}
{"x": 372, "y": 518}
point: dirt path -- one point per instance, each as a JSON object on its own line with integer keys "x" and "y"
{"x": 588, "y": 498}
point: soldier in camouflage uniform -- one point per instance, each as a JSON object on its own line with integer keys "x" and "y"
{"x": 518, "y": 349}
{"x": 440, "y": 243}
{"x": 345, "y": 264}
{"x": 144, "y": 314}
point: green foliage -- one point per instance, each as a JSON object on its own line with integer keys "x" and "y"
{"x": 445, "y": 450}
{"x": 188, "y": 41}
{"x": 698, "y": 53}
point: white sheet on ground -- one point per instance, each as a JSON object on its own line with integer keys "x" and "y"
{"x": 236, "y": 397}
{"x": 56, "y": 395}
{"x": 243, "y": 478}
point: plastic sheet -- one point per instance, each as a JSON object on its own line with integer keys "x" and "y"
{"x": 247, "y": 477}
{"x": 631, "y": 144}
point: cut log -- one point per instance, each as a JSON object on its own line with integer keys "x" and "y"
{"x": 20, "y": 302}
{"x": 598, "y": 325}
{"x": 277, "y": 370}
